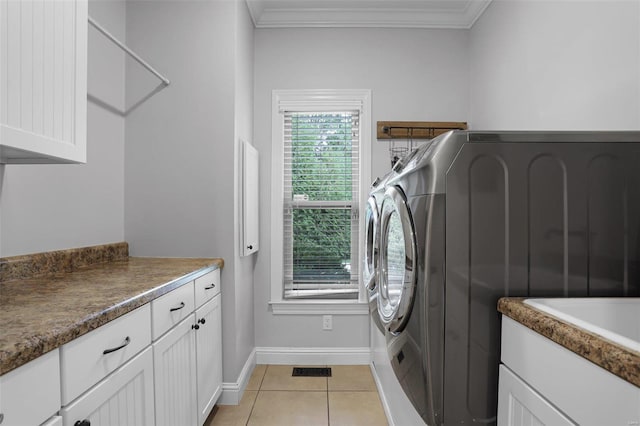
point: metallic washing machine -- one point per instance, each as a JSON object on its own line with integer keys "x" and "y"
{"x": 370, "y": 270}
{"x": 474, "y": 216}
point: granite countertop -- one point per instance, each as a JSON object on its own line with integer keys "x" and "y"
{"x": 611, "y": 356}
{"x": 41, "y": 313}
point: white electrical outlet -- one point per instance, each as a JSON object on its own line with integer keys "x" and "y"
{"x": 327, "y": 322}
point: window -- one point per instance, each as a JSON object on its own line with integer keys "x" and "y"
{"x": 321, "y": 183}
{"x": 320, "y": 161}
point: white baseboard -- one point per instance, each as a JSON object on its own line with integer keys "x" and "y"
{"x": 314, "y": 356}
{"x": 232, "y": 392}
{"x": 395, "y": 403}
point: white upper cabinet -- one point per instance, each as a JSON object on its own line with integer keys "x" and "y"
{"x": 43, "y": 81}
{"x": 250, "y": 199}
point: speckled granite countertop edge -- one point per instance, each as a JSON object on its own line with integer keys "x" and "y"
{"x": 32, "y": 344}
{"x": 614, "y": 358}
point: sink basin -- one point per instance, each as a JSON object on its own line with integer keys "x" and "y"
{"x": 615, "y": 319}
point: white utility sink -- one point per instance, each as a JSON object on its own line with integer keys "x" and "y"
{"x": 615, "y": 319}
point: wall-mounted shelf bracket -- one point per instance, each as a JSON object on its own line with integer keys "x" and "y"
{"x": 416, "y": 129}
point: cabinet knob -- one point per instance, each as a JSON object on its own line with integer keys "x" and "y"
{"x": 201, "y": 321}
{"x": 195, "y": 326}
{"x": 250, "y": 247}
{"x": 82, "y": 423}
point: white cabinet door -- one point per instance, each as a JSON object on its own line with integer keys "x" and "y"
{"x": 43, "y": 81}
{"x": 520, "y": 405}
{"x": 174, "y": 359}
{"x": 209, "y": 357}
{"x": 124, "y": 398}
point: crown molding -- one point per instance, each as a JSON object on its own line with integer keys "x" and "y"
{"x": 304, "y": 15}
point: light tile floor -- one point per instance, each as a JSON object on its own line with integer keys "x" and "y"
{"x": 273, "y": 397}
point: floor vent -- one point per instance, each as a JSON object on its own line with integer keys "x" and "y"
{"x": 311, "y": 371}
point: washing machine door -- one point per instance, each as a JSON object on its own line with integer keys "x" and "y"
{"x": 371, "y": 244}
{"x": 397, "y": 274}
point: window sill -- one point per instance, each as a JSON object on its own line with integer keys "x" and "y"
{"x": 320, "y": 307}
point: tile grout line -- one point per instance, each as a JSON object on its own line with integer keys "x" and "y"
{"x": 257, "y": 394}
{"x": 328, "y": 409}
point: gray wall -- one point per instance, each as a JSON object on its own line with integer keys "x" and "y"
{"x": 243, "y": 327}
{"x": 53, "y": 207}
{"x": 413, "y": 74}
{"x": 181, "y": 197}
{"x": 556, "y": 65}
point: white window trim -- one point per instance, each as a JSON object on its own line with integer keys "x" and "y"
{"x": 314, "y": 100}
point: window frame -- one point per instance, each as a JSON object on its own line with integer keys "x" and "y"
{"x": 311, "y": 100}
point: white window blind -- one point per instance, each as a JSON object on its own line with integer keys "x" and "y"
{"x": 321, "y": 191}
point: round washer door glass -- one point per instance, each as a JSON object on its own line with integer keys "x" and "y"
{"x": 371, "y": 244}
{"x": 397, "y": 261}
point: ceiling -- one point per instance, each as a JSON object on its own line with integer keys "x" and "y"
{"x": 366, "y": 13}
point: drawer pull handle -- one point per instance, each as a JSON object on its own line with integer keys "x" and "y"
{"x": 178, "y": 308}
{"x": 212, "y": 286}
{"x": 126, "y": 342}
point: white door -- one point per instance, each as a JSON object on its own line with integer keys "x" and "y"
{"x": 125, "y": 397}
{"x": 209, "y": 356}
{"x": 174, "y": 367}
{"x": 397, "y": 261}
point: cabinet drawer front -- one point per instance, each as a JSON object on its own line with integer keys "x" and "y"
{"x": 124, "y": 398}
{"x": 207, "y": 286}
{"x": 84, "y": 361}
{"x": 30, "y": 394}
{"x": 170, "y": 309}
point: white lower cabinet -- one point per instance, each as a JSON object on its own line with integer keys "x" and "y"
{"x": 543, "y": 383}
{"x": 175, "y": 375}
{"x": 188, "y": 368}
{"x": 208, "y": 356}
{"x": 124, "y": 398}
{"x": 30, "y": 394}
{"x": 521, "y": 405}
{"x": 116, "y": 375}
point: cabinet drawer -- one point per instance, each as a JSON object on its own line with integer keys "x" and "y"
{"x": 170, "y": 309}
{"x": 30, "y": 394}
{"x": 84, "y": 361}
{"x": 207, "y": 286}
